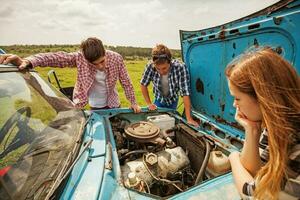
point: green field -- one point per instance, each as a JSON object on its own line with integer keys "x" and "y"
{"x": 67, "y": 77}
{"x": 135, "y": 60}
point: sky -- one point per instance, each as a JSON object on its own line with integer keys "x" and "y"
{"x": 139, "y": 23}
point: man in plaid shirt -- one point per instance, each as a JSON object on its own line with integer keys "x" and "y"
{"x": 98, "y": 73}
{"x": 169, "y": 77}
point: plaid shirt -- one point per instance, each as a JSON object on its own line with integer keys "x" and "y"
{"x": 291, "y": 186}
{"x": 178, "y": 78}
{"x": 115, "y": 70}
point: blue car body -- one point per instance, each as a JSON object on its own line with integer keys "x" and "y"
{"x": 206, "y": 54}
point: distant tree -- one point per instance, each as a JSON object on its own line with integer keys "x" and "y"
{"x": 128, "y": 52}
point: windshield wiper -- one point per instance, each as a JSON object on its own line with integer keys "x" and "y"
{"x": 62, "y": 175}
{"x": 64, "y": 172}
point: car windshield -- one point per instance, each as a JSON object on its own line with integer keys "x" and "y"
{"x": 38, "y": 130}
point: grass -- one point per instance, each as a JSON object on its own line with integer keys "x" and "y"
{"x": 135, "y": 68}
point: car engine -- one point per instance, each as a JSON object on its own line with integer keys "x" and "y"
{"x": 163, "y": 156}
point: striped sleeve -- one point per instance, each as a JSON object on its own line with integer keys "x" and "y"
{"x": 248, "y": 190}
{"x": 147, "y": 75}
{"x": 57, "y": 59}
{"x": 184, "y": 81}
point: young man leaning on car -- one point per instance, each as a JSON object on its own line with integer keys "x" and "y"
{"x": 98, "y": 73}
{"x": 170, "y": 78}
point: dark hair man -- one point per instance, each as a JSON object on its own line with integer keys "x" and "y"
{"x": 98, "y": 73}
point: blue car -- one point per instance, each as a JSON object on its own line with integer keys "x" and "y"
{"x": 51, "y": 150}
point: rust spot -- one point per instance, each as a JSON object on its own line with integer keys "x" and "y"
{"x": 223, "y": 107}
{"x": 277, "y": 20}
{"x": 220, "y": 119}
{"x": 269, "y": 10}
{"x": 199, "y": 86}
{"x": 236, "y": 125}
{"x": 278, "y": 50}
{"x": 223, "y": 121}
{"x": 190, "y": 36}
{"x": 222, "y": 33}
{"x": 255, "y": 43}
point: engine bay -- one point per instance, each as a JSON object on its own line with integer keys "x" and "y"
{"x": 163, "y": 156}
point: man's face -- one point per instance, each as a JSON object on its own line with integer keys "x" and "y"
{"x": 100, "y": 63}
{"x": 162, "y": 69}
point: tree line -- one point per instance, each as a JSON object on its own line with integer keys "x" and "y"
{"x": 128, "y": 52}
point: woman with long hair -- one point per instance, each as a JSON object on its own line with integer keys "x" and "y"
{"x": 266, "y": 91}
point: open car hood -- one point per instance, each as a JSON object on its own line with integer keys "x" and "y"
{"x": 207, "y": 52}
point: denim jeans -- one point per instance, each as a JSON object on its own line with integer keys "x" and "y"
{"x": 163, "y": 105}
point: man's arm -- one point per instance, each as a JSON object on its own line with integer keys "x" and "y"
{"x": 15, "y": 60}
{"x": 145, "y": 93}
{"x": 127, "y": 85}
{"x": 145, "y": 81}
{"x": 184, "y": 86}
{"x": 187, "y": 109}
{"x": 57, "y": 59}
{"x": 147, "y": 99}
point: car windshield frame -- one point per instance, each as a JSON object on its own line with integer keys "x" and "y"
{"x": 39, "y": 129}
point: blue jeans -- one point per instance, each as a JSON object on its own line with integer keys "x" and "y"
{"x": 163, "y": 105}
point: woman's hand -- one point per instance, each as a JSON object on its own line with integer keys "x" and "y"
{"x": 249, "y": 157}
{"x": 249, "y": 126}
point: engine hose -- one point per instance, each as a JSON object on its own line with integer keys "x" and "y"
{"x": 133, "y": 152}
{"x": 204, "y": 163}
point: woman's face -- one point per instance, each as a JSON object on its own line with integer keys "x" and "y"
{"x": 245, "y": 103}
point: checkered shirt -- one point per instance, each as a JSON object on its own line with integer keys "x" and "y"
{"x": 178, "y": 78}
{"x": 115, "y": 70}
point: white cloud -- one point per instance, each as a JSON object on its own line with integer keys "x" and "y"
{"x": 116, "y": 22}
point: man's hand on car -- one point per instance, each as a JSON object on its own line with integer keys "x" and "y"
{"x": 136, "y": 108}
{"x": 152, "y": 107}
{"x": 15, "y": 60}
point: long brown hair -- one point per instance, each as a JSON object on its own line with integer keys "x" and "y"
{"x": 274, "y": 82}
